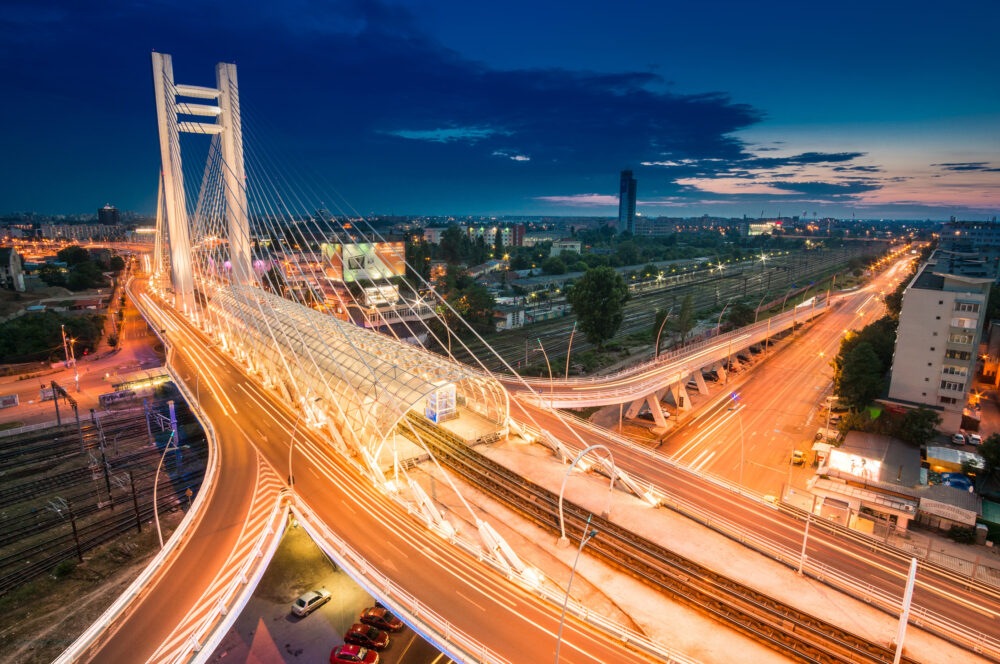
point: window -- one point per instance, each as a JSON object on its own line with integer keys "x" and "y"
{"x": 932, "y": 348}
{"x": 966, "y": 323}
{"x": 948, "y": 400}
{"x": 957, "y": 354}
{"x": 937, "y": 318}
{"x": 940, "y": 301}
{"x": 949, "y": 385}
{"x": 970, "y": 307}
{"x": 960, "y": 338}
{"x": 953, "y": 371}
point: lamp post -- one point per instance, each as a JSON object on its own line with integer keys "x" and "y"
{"x": 587, "y": 535}
{"x": 549, "y": 365}
{"x": 718, "y": 323}
{"x": 291, "y": 440}
{"x": 570, "y": 349}
{"x": 562, "y": 541}
{"x": 76, "y": 370}
{"x": 756, "y": 312}
{"x": 656, "y": 350}
{"x": 156, "y": 480}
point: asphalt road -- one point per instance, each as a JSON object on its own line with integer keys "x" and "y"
{"x": 248, "y": 420}
{"x": 781, "y": 394}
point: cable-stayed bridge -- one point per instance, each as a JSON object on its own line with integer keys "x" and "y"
{"x": 302, "y": 407}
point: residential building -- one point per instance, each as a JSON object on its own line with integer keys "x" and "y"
{"x": 973, "y": 233}
{"x": 512, "y": 235}
{"x": 626, "y": 202}
{"x": 11, "y": 269}
{"x": 108, "y": 216}
{"x": 938, "y": 335}
{"x": 509, "y": 316}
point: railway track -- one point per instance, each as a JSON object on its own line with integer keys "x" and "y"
{"x": 780, "y": 626}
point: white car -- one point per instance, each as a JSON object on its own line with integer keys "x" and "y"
{"x": 310, "y": 601}
{"x": 958, "y": 439}
{"x": 975, "y": 439}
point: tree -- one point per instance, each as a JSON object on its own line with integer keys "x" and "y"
{"x": 859, "y": 379}
{"x": 990, "y": 451}
{"x": 685, "y": 320}
{"x": 553, "y": 265}
{"x": 117, "y": 264}
{"x": 918, "y": 426}
{"x": 598, "y": 299}
{"x": 740, "y": 314}
{"x": 73, "y": 255}
{"x": 52, "y": 275}
{"x": 498, "y": 251}
{"x": 451, "y": 243}
{"x": 628, "y": 252}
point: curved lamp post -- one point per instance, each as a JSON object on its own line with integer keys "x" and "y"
{"x": 656, "y": 350}
{"x": 549, "y": 365}
{"x": 570, "y": 349}
{"x": 563, "y": 541}
{"x": 587, "y": 535}
{"x": 156, "y": 479}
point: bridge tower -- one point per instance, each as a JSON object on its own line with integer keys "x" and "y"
{"x": 226, "y": 133}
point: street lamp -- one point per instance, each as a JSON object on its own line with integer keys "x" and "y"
{"x": 562, "y": 542}
{"x": 588, "y": 535}
{"x": 570, "y": 349}
{"x": 546, "y": 356}
{"x": 156, "y": 479}
{"x": 656, "y": 350}
{"x": 291, "y": 440}
{"x": 719, "y": 322}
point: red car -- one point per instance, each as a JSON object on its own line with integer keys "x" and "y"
{"x": 367, "y": 636}
{"x": 381, "y": 618}
{"x": 353, "y": 655}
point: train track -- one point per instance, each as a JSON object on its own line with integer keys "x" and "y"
{"x": 780, "y": 626}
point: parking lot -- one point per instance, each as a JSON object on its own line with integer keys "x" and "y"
{"x": 267, "y": 632}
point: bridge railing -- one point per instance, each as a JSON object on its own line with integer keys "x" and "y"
{"x": 430, "y": 624}
{"x": 934, "y": 622}
{"x": 669, "y": 356}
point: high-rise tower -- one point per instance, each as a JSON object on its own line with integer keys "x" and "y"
{"x": 626, "y": 202}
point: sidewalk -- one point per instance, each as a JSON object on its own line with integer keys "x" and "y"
{"x": 654, "y": 614}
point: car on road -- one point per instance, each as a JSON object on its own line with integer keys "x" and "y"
{"x": 353, "y": 655}
{"x": 381, "y": 618}
{"x": 958, "y": 439}
{"x": 975, "y": 439}
{"x": 310, "y": 601}
{"x": 798, "y": 457}
{"x": 367, "y": 636}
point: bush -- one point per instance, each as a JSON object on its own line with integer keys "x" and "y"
{"x": 962, "y": 535}
{"x": 64, "y": 569}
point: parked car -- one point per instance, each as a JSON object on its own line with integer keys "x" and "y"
{"x": 975, "y": 439}
{"x": 367, "y": 636}
{"x": 381, "y": 618}
{"x": 958, "y": 439}
{"x": 798, "y": 457}
{"x": 353, "y": 655}
{"x": 310, "y": 601}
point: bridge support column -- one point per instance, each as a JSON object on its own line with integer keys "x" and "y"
{"x": 634, "y": 407}
{"x": 699, "y": 378}
{"x": 717, "y": 368}
{"x": 654, "y": 407}
{"x": 679, "y": 396}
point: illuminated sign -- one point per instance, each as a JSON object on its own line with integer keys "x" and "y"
{"x": 855, "y": 464}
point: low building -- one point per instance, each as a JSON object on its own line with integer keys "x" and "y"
{"x": 950, "y": 460}
{"x": 942, "y": 507}
{"x": 508, "y": 316}
{"x": 869, "y": 481}
{"x": 565, "y": 244}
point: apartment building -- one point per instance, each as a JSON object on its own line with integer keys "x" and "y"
{"x": 940, "y": 326}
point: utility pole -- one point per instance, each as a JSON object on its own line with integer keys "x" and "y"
{"x": 149, "y": 430}
{"x": 135, "y": 503}
{"x": 76, "y": 536}
{"x": 904, "y": 616}
{"x": 55, "y": 400}
{"x": 173, "y": 427}
{"x": 104, "y": 458}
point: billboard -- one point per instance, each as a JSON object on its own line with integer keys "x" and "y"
{"x": 364, "y": 260}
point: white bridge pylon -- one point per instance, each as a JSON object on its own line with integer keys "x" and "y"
{"x": 227, "y": 138}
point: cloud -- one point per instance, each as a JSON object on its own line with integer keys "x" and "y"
{"x": 964, "y": 166}
{"x": 734, "y": 186}
{"x": 580, "y": 200}
{"x": 448, "y": 135}
{"x": 513, "y": 156}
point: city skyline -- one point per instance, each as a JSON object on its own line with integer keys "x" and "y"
{"x": 428, "y": 110}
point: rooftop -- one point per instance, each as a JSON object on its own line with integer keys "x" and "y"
{"x": 899, "y": 462}
{"x": 953, "y": 266}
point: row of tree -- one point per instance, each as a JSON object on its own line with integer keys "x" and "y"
{"x": 83, "y": 271}
{"x": 35, "y": 337}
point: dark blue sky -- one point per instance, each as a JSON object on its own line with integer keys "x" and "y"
{"x": 420, "y": 107}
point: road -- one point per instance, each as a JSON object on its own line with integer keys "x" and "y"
{"x": 136, "y": 351}
{"x": 249, "y": 421}
{"x": 780, "y": 395}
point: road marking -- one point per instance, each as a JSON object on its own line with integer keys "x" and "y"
{"x": 481, "y": 608}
